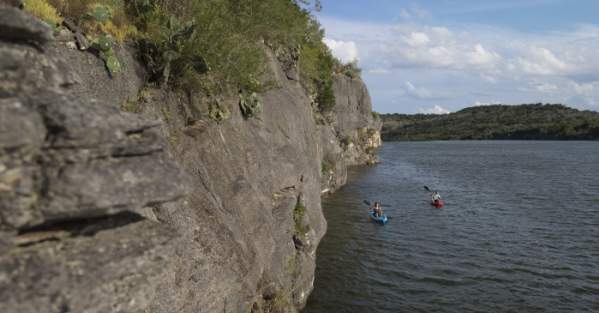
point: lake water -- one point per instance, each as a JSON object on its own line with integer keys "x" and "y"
{"x": 519, "y": 231}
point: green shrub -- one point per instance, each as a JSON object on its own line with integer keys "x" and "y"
{"x": 327, "y": 167}
{"x": 346, "y": 141}
{"x": 249, "y": 105}
{"x": 135, "y": 105}
{"x": 166, "y": 44}
{"x": 215, "y": 44}
{"x": 325, "y": 96}
{"x": 283, "y": 299}
{"x": 218, "y": 112}
{"x": 376, "y": 116}
{"x": 350, "y": 69}
{"x": 317, "y": 66}
{"x": 298, "y": 217}
{"x": 130, "y": 106}
{"x": 212, "y": 45}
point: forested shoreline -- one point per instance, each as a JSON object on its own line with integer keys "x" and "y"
{"x": 516, "y": 122}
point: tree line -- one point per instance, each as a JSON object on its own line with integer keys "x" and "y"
{"x": 517, "y": 122}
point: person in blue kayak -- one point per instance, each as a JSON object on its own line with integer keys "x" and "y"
{"x": 376, "y": 208}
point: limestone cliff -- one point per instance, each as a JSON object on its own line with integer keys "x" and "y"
{"x": 354, "y": 135}
{"x": 164, "y": 209}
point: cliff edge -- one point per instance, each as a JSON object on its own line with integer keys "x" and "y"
{"x": 161, "y": 209}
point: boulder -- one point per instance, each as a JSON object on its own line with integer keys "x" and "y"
{"x": 18, "y": 26}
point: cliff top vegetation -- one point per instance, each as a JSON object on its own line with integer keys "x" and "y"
{"x": 209, "y": 46}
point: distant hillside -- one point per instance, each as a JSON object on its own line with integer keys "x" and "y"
{"x": 527, "y": 121}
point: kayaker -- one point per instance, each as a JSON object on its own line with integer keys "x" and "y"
{"x": 436, "y": 196}
{"x": 376, "y": 208}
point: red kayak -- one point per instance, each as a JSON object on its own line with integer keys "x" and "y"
{"x": 437, "y": 204}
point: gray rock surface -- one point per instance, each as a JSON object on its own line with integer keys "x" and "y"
{"x": 353, "y": 107}
{"x": 76, "y": 179}
{"x": 165, "y": 210}
{"x": 248, "y": 177}
{"x": 355, "y": 130}
{"x": 88, "y": 77}
{"x": 19, "y": 27}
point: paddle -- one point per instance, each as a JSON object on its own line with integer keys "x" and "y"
{"x": 382, "y": 205}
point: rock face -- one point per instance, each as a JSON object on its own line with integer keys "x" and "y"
{"x": 163, "y": 210}
{"x": 77, "y": 180}
{"x": 355, "y": 132}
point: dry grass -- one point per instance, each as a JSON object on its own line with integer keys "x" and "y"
{"x": 120, "y": 33}
{"x": 44, "y": 11}
{"x": 118, "y": 25}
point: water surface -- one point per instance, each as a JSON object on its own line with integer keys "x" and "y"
{"x": 519, "y": 232}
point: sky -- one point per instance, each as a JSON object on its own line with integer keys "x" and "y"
{"x": 439, "y": 56}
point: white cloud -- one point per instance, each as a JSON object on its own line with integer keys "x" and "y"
{"x": 408, "y": 46}
{"x": 586, "y": 93}
{"x": 488, "y": 78}
{"x": 378, "y": 71}
{"x": 419, "y": 93}
{"x": 483, "y": 57}
{"x": 405, "y": 14}
{"x": 546, "y": 87}
{"x": 441, "y": 56}
{"x": 414, "y": 12}
{"x": 567, "y": 91}
{"x": 417, "y": 39}
{"x": 542, "y": 61}
{"x": 527, "y": 67}
{"x": 441, "y": 32}
{"x": 494, "y": 6}
{"x": 483, "y": 103}
{"x": 589, "y": 92}
{"x": 346, "y": 51}
{"x": 492, "y": 52}
{"x": 437, "y": 109}
{"x": 585, "y": 88}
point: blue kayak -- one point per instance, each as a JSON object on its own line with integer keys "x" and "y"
{"x": 382, "y": 220}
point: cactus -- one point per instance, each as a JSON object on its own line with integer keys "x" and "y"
{"x": 103, "y": 44}
{"x": 112, "y": 63}
{"x": 100, "y": 13}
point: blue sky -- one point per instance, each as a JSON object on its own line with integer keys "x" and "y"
{"x": 440, "y": 56}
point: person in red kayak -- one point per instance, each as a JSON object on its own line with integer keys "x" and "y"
{"x": 436, "y": 197}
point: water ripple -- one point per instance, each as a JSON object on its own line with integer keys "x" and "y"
{"x": 519, "y": 233}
